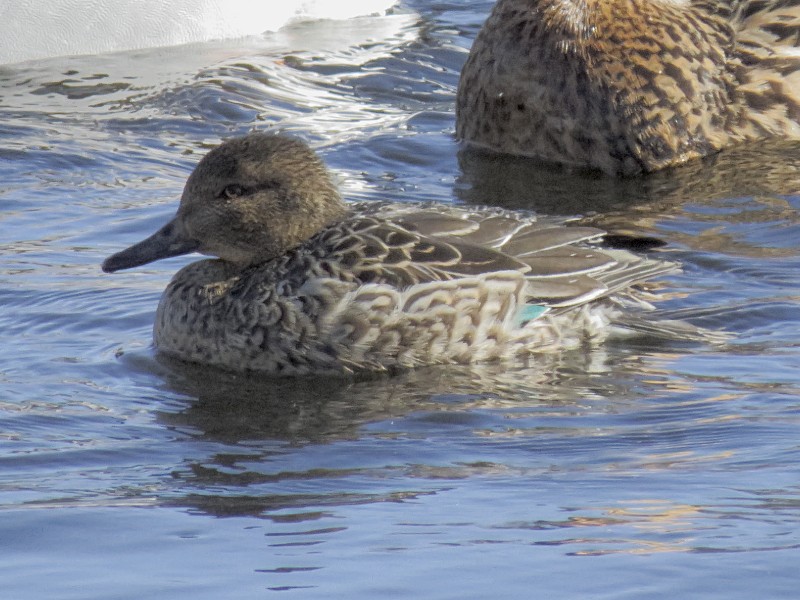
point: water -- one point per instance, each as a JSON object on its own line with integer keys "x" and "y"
{"x": 644, "y": 468}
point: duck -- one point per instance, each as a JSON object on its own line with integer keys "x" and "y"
{"x": 629, "y": 87}
{"x": 305, "y": 283}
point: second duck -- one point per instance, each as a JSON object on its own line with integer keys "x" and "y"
{"x": 631, "y": 86}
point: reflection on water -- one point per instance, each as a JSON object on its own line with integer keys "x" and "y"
{"x": 222, "y": 485}
{"x": 317, "y": 410}
{"x": 743, "y": 185}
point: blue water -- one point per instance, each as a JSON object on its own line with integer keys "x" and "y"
{"x": 641, "y": 469}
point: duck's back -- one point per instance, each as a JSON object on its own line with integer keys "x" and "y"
{"x": 630, "y": 86}
{"x": 767, "y": 52}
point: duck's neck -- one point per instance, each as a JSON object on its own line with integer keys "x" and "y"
{"x": 307, "y": 219}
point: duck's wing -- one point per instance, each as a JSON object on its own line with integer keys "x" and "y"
{"x": 377, "y": 250}
{"x": 563, "y": 264}
{"x": 570, "y": 264}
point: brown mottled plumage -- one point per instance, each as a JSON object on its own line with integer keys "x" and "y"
{"x": 305, "y": 283}
{"x": 631, "y": 86}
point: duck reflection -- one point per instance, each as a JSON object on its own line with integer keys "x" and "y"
{"x": 293, "y": 448}
{"x": 237, "y": 408}
{"x": 756, "y": 184}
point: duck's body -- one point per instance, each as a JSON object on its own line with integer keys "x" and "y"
{"x": 631, "y": 86}
{"x": 371, "y": 292}
{"x": 373, "y": 286}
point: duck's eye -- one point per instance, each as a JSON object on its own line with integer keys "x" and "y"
{"x": 232, "y": 191}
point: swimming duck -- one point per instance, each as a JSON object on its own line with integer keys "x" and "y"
{"x": 631, "y": 86}
{"x": 305, "y": 283}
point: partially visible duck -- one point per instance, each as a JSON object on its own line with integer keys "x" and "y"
{"x": 631, "y": 86}
{"x": 305, "y": 283}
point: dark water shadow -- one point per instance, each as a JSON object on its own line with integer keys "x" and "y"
{"x": 753, "y": 184}
{"x": 260, "y": 439}
{"x": 235, "y": 408}
{"x": 769, "y": 169}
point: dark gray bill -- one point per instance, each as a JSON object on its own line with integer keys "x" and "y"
{"x": 164, "y": 243}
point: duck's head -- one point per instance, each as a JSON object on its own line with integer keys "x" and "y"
{"x": 248, "y": 200}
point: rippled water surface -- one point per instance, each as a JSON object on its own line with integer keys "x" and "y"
{"x": 641, "y": 469}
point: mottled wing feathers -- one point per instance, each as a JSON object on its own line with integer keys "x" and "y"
{"x": 535, "y": 238}
{"x": 411, "y": 245}
{"x": 570, "y": 259}
{"x": 390, "y": 253}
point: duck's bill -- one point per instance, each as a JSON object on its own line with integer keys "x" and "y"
{"x": 164, "y": 243}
